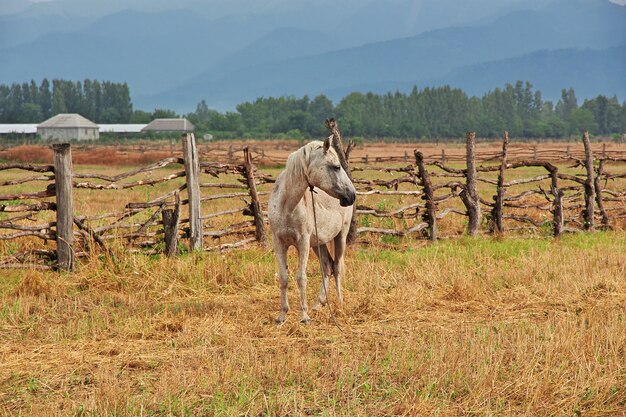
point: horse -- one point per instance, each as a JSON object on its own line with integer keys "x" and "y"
{"x": 316, "y": 167}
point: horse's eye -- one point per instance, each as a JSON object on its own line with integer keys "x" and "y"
{"x": 335, "y": 167}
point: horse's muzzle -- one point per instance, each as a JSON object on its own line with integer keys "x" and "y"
{"x": 347, "y": 200}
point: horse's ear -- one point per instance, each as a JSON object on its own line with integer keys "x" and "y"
{"x": 327, "y": 144}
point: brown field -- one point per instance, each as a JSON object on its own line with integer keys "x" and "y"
{"x": 520, "y": 325}
{"x": 139, "y": 153}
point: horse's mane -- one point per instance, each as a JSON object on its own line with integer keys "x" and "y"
{"x": 295, "y": 168}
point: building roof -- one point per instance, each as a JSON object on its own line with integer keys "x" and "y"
{"x": 18, "y": 128}
{"x": 121, "y": 128}
{"x": 169, "y": 125}
{"x": 65, "y": 120}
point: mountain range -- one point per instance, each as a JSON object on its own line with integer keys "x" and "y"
{"x": 174, "y": 54}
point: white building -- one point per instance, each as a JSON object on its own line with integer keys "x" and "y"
{"x": 65, "y": 126}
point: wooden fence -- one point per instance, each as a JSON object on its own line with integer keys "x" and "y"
{"x": 571, "y": 198}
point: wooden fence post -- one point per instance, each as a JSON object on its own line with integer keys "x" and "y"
{"x": 443, "y": 156}
{"x": 65, "y": 205}
{"x": 255, "y": 205}
{"x": 496, "y": 224}
{"x": 192, "y": 171}
{"x": 470, "y": 194}
{"x": 557, "y": 204}
{"x": 598, "y": 190}
{"x": 430, "y": 216}
{"x": 171, "y": 219}
{"x": 589, "y": 184}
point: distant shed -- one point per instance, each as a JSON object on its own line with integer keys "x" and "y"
{"x": 169, "y": 125}
{"x": 68, "y": 126}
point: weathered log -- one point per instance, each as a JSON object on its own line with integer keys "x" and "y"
{"x": 44, "y": 205}
{"x": 381, "y": 192}
{"x": 589, "y": 184}
{"x": 116, "y": 186}
{"x": 225, "y": 212}
{"x": 93, "y": 235}
{"x": 383, "y": 183}
{"x": 27, "y": 167}
{"x": 41, "y": 235}
{"x": 557, "y": 203}
{"x": 48, "y": 192}
{"x": 399, "y": 213}
{"x": 115, "y": 178}
{"x": 192, "y": 170}
{"x": 255, "y": 205}
{"x": 598, "y": 194}
{"x": 170, "y": 227}
{"x": 470, "y": 194}
{"x": 431, "y": 206}
{"x": 28, "y": 179}
{"x": 4, "y": 224}
{"x": 496, "y": 225}
{"x": 65, "y": 205}
{"x": 157, "y": 201}
{"x": 381, "y": 231}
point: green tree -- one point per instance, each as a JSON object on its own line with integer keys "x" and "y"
{"x": 45, "y": 99}
{"x": 582, "y": 119}
{"x": 58, "y": 98}
{"x": 29, "y": 113}
{"x": 566, "y": 104}
{"x": 606, "y": 112}
{"x": 140, "y": 117}
{"x": 164, "y": 114}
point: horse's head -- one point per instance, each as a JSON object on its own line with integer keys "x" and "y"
{"x": 324, "y": 171}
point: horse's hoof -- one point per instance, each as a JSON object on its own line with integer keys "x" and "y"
{"x": 305, "y": 319}
{"x": 280, "y": 321}
{"x": 317, "y": 306}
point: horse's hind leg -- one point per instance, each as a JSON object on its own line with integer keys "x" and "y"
{"x": 283, "y": 276}
{"x": 327, "y": 269}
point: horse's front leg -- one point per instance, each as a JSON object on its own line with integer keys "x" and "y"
{"x": 303, "y": 257}
{"x": 283, "y": 278}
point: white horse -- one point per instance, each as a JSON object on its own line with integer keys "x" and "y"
{"x": 291, "y": 219}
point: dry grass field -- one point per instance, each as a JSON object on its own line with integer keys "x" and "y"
{"x": 464, "y": 327}
{"x": 520, "y": 325}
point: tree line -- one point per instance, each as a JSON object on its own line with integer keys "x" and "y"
{"x": 102, "y": 102}
{"x": 438, "y": 112}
